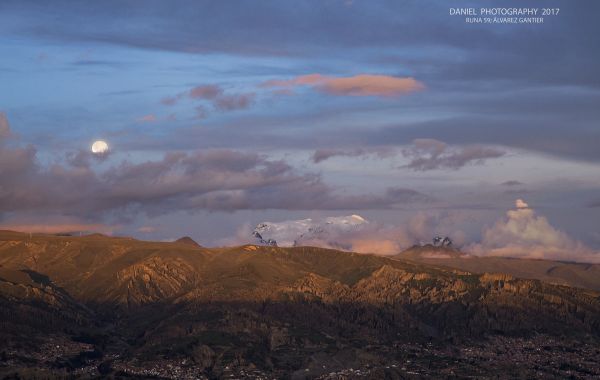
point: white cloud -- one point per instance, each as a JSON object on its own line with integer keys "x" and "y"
{"x": 524, "y": 234}
{"x": 519, "y": 203}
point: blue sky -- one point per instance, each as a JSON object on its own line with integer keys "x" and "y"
{"x": 247, "y": 92}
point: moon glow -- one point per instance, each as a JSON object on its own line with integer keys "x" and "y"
{"x": 99, "y": 147}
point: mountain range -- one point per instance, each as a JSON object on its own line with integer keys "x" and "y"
{"x": 96, "y": 306}
{"x": 582, "y": 275}
{"x": 294, "y": 233}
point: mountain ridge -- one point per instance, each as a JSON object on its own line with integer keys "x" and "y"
{"x": 267, "y": 308}
{"x": 583, "y": 275}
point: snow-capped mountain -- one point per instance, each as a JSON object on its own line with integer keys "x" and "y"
{"x": 297, "y": 232}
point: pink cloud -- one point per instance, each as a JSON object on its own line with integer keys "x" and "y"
{"x": 358, "y": 85}
{"x": 4, "y": 126}
{"x": 59, "y": 228}
{"x": 209, "y": 91}
{"x": 147, "y": 119}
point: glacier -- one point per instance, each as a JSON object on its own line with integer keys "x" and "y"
{"x": 293, "y": 233}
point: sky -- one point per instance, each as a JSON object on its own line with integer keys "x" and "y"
{"x": 221, "y": 115}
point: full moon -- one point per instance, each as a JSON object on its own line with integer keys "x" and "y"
{"x": 99, "y": 147}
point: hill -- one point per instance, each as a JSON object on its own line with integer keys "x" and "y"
{"x": 177, "y": 310}
{"x": 187, "y": 240}
{"x": 557, "y": 272}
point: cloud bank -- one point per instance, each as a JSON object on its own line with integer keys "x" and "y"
{"x": 521, "y": 234}
{"x": 431, "y": 154}
{"x": 215, "y": 180}
{"x": 424, "y": 155}
{"x": 324, "y": 154}
{"x": 354, "y": 233}
{"x": 524, "y": 234}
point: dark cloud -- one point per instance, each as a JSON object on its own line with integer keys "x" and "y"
{"x": 216, "y": 180}
{"x": 325, "y": 154}
{"x": 430, "y": 154}
{"x": 541, "y": 134}
{"x": 233, "y": 102}
{"x": 425, "y": 154}
{"x": 558, "y": 52}
{"x": 214, "y": 95}
{"x": 269, "y": 27}
{"x": 511, "y": 183}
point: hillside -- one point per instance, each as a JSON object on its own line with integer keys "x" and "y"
{"x": 556, "y": 272}
{"x": 279, "y": 312}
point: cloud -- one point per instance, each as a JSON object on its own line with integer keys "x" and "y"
{"x": 520, "y": 204}
{"x": 524, "y": 234}
{"x": 511, "y": 183}
{"x": 209, "y": 91}
{"x": 431, "y": 154}
{"x": 355, "y": 233}
{"x": 213, "y": 95}
{"x": 147, "y": 119}
{"x": 4, "y": 127}
{"x": 53, "y": 227}
{"x": 509, "y": 121}
{"x": 325, "y": 154}
{"x": 425, "y": 154}
{"x": 233, "y": 102}
{"x": 358, "y": 85}
{"x": 273, "y": 28}
{"x": 420, "y": 228}
{"x": 216, "y": 180}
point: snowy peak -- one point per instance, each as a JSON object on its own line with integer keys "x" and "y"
{"x": 298, "y": 232}
{"x": 346, "y": 220}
